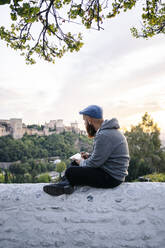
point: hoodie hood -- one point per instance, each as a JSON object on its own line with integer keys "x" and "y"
{"x": 110, "y": 124}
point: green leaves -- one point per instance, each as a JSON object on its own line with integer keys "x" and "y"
{"x": 145, "y": 147}
{"x": 52, "y": 29}
{"x": 2, "y": 2}
{"x": 118, "y": 6}
{"x": 58, "y": 4}
{"x": 13, "y": 16}
{"x": 60, "y": 167}
{"x": 39, "y": 26}
{"x": 75, "y": 11}
{"x": 153, "y": 17}
{"x": 28, "y": 13}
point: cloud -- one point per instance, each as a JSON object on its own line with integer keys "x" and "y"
{"x": 122, "y": 74}
{"x": 17, "y": 103}
{"x": 8, "y": 95}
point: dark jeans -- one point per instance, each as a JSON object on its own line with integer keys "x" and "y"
{"x": 94, "y": 177}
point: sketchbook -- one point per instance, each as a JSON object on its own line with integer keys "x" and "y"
{"x": 76, "y": 156}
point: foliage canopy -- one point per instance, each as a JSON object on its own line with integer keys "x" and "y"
{"x": 60, "y": 167}
{"x": 62, "y": 145}
{"x": 39, "y": 26}
{"x": 147, "y": 155}
{"x": 146, "y": 152}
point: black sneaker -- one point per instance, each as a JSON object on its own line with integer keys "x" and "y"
{"x": 59, "y": 189}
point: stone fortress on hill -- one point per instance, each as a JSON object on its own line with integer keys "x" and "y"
{"x": 17, "y": 129}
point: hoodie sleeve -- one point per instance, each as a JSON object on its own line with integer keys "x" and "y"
{"x": 102, "y": 150}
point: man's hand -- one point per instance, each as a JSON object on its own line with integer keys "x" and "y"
{"x": 84, "y": 155}
{"x": 77, "y": 161}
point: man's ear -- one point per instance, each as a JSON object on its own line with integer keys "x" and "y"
{"x": 89, "y": 120}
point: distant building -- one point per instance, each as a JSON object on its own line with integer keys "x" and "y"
{"x": 59, "y": 126}
{"x": 17, "y": 129}
{"x": 51, "y": 124}
{"x": 2, "y": 130}
{"x": 11, "y": 127}
{"x": 57, "y": 161}
{"x": 74, "y": 126}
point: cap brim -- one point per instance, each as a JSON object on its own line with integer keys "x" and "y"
{"x": 81, "y": 112}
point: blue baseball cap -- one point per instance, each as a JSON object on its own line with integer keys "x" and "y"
{"x": 93, "y": 111}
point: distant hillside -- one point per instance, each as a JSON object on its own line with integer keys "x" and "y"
{"x": 63, "y": 145}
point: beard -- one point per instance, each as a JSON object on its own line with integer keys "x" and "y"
{"x": 90, "y": 130}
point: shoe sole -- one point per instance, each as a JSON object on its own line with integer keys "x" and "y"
{"x": 58, "y": 191}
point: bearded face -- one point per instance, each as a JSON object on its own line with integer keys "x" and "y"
{"x": 90, "y": 130}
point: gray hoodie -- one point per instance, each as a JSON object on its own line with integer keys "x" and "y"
{"x": 110, "y": 151}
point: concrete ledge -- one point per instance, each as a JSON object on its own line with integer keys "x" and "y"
{"x": 132, "y": 216}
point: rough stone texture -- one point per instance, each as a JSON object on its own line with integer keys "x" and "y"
{"x": 132, "y": 216}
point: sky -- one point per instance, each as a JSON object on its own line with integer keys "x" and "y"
{"x": 122, "y": 74}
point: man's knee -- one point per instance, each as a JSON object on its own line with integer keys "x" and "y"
{"x": 71, "y": 175}
{"x": 68, "y": 172}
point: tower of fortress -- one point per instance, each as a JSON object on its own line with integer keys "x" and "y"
{"x": 51, "y": 124}
{"x": 17, "y": 129}
{"x": 16, "y": 125}
{"x": 59, "y": 126}
{"x": 74, "y": 126}
{"x": 11, "y": 127}
{"x": 59, "y": 123}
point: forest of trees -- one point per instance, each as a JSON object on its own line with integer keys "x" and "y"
{"x": 146, "y": 152}
{"x": 147, "y": 156}
{"x": 62, "y": 145}
{"x": 33, "y": 152}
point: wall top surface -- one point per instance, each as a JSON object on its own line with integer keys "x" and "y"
{"x": 131, "y": 215}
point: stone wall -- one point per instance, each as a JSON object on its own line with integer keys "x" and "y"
{"x": 17, "y": 129}
{"x": 131, "y": 216}
{"x": 5, "y": 165}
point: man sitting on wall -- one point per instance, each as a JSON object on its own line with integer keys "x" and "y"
{"x": 107, "y": 166}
